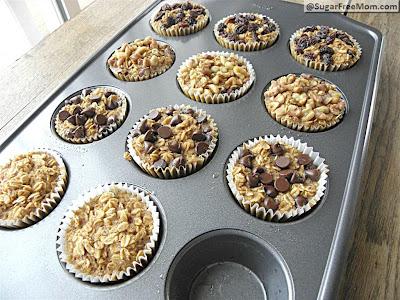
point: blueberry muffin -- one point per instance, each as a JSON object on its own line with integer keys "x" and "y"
{"x": 179, "y": 19}
{"x": 246, "y": 32}
{"x": 324, "y": 48}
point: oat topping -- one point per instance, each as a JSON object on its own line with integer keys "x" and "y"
{"x": 26, "y": 183}
{"x": 174, "y": 137}
{"x": 276, "y": 176}
{"x": 140, "y": 60}
{"x": 305, "y": 102}
{"x": 325, "y": 45}
{"x": 91, "y": 115}
{"x": 247, "y": 28}
{"x": 172, "y": 19}
{"x": 109, "y": 233}
{"x": 212, "y": 74}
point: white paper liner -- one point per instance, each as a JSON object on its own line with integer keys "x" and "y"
{"x": 249, "y": 46}
{"x": 303, "y": 127}
{"x": 173, "y": 172}
{"x": 109, "y": 128}
{"x": 260, "y": 211}
{"x": 180, "y": 31}
{"x": 132, "y": 78}
{"x": 218, "y": 98}
{"x": 49, "y": 203}
{"x": 137, "y": 264}
{"x": 320, "y": 65}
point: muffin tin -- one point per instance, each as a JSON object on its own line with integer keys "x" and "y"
{"x": 210, "y": 248}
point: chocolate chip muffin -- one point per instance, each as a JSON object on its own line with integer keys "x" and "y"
{"x": 276, "y": 178}
{"x": 215, "y": 77}
{"x": 31, "y": 185}
{"x": 91, "y": 114}
{"x": 179, "y": 19}
{"x": 141, "y": 59}
{"x": 304, "y": 102}
{"x": 324, "y": 48}
{"x": 172, "y": 142}
{"x": 246, "y": 32}
{"x": 109, "y": 234}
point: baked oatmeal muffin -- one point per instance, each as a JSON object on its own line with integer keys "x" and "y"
{"x": 305, "y": 102}
{"x": 109, "y": 234}
{"x": 215, "y": 77}
{"x": 91, "y": 114}
{"x": 246, "y": 32}
{"x": 180, "y": 18}
{"x": 141, "y": 59}
{"x": 31, "y": 185}
{"x": 276, "y": 178}
{"x": 173, "y": 141}
{"x": 324, "y": 48}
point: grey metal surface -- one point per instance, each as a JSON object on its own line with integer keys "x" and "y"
{"x": 202, "y": 201}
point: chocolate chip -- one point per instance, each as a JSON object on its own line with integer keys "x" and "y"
{"x": 303, "y": 159}
{"x": 327, "y": 59}
{"x": 72, "y": 120}
{"x": 148, "y": 147}
{"x": 175, "y": 120}
{"x": 109, "y": 93}
{"x": 247, "y": 161}
{"x": 89, "y": 112}
{"x": 301, "y": 201}
{"x": 150, "y": 136}
{"x": 81, "y": 119}
{"x": 270, "y": 203}
{"x": 201, "y": 148}
{"x": 155, "y": 126}
{"x": 282, "y": 184}
{"x": 63, "y": 115}
{"x": 178, "y": 162}
{"x": 270, "y": 191}
{"x": 266, "y": 178}
{"x": 241, "y": 29}
{"x": 297, "y": 178}
{"x": 165, "y": 132}
{"x": 95, "y": 98}
{"x": 79, "y": 132}
{"x": 277, "y": 149}
{"x": 198, "y": 136}
{"x": 77, "y": 110}
{"x": 201, "y": 118}
{"x": 174, "y": 147}
{"x": 154, "y": 115}
{"x": 143, "y": 127}
{"x": 112, "y": 105}
{"x": 282, "y": 162}
{"x": 188, "y": 111}
{"x": 259, "y": 170}
{"x": 170, "y": 111}
{"x": 100, "y": 119}
{"x": 70, "y": 134}
{"x": 286, "y": 173}
{"x": 160, "y": 164}
{"x": 313, "y": 174}
{"x": 252, "y": 180}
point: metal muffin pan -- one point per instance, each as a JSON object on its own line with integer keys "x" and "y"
{"x": 300, "y": 259}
